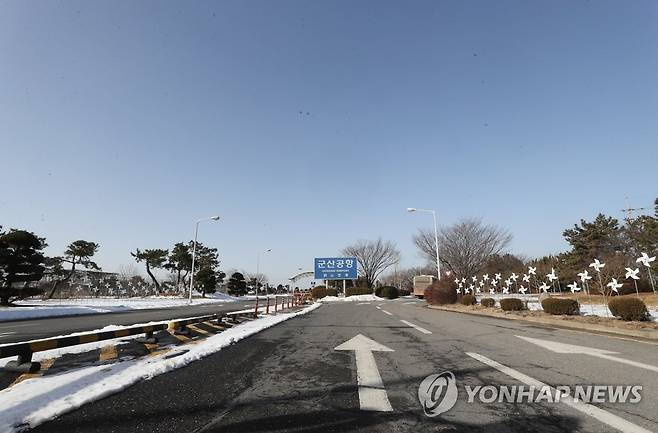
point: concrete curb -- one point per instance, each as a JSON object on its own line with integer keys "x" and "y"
{"x": 639, "y": 334}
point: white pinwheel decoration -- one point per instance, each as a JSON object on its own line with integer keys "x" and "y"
{"x": 597, "y": 265}
{"x": 526, "y": 278}
{"x": 107, "y": 285}
{"x": 514, "y": 276}
{"x": 498, "y": 277}
{"x": 492, "y": 291}
{"x": 485, "y": 277}
{"x": 574, "y": 287}
{"x": 494, "y": 282}
{"x": 506, "y": 291}
{"x": 481, "y": 283}
{"x": 459, "y": 290}
{"x": 471, "y": 287}
{"x": 460, "y": 285}
{"x": 464, "y": 280}
{"x": 477, "y": 290}
{"x": 632, "y": 273}
{"x": 614, "y": 285}
{"x": 584, "y": 276}
{"x": 551, "y": 277}
{"x": 467, "y": 290}
{"x": 543, "y": 288}
{"x": 532, "y": 271}
{"x": 522, "y": 289}
{"x": 508, "y": 282}
{"x": 646, "y": 260}
{"x": 456, "y": 280}
{"x": 475, "y": 278}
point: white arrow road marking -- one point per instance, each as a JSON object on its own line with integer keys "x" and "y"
{"x": 601, "y": 415}
{"x": 556, "y": 347}
{"x": 413, "y": 325}
{"x": 372, "y": 394}
{"x": 387, "y": 312}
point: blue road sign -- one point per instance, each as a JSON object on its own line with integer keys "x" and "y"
{"x": 335, "y": 268}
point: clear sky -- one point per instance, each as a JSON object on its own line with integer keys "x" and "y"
{"x": 307, "y": 125}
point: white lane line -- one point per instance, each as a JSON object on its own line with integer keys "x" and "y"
{"x": 410, "y": 303}
{"x": 413, "y": 325}
{"x": 586, "y": 408}
{"x": 378, "y": 307}
{"x": 387, "y": 312}
{"x": 363, "y": 303}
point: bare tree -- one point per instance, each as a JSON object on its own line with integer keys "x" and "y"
{"x": 465, "y": 246}
{"x": 374, "y": 257}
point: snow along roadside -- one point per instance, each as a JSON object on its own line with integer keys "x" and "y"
{"x": 35, "y": 401}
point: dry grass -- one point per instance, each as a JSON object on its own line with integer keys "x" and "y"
{"x": 650, "y": 299}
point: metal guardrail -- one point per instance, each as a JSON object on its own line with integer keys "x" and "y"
{"x": 25, "y": 350}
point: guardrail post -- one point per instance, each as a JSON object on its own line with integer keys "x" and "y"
{"x": 267, "y": 308}
{"x": 148, "y": 338}
{"x": 288, "y": 301}
{"x": 276, "y": 304}
{"x": 23, "y": 364}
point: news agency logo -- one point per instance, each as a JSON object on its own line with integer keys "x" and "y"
{"x": 437, "y": 393}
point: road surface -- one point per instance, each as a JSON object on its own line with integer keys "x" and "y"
{"x": 22, "y": 330}
{"x": 291, "y": 378}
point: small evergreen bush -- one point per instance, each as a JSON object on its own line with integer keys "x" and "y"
{"x": 628, "y": 308}
{"x": 468, "y": 300}
{"x": 512, "y": 304}
{"x": 488, "y": 302}
{"x": 560, "y": 306}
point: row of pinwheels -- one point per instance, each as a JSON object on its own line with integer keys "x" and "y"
{"x": 485, "y": 282}
{"x": 114, "y": 288}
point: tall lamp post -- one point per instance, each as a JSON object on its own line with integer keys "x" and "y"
{"x": 196, "y": 232}
{"x": 436, "y": 237}
{"x": 258, "y": 269}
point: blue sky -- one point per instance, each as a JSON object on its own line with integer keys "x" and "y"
{"x": 308, "y": 125}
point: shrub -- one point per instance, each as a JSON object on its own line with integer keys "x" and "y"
{"x": 378, "y": 291}
{"x": 488, "y": 302}
{"x": 441, "y": 292}
{"x": 512, "y": 304}
{"x": 569, "y": 307}
{"x": 404, "y": 292}
{"x": 468, "y": 300}
{"x": 332, "y": 292}
{"x": 319, "y": 292}
{"x": 628, "y": 308}
{"x": 389, "y": 292}
{"x": 354, "y": 291}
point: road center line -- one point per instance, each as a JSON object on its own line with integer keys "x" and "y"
{"x": 384, "y": 311}
{"x": 413, "y": 325}
{"x": 586, "y": 408}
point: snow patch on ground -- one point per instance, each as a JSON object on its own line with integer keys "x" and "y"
{"x": 38, "y": 400}
{"x": 355, "y": 298}
{"x": 32, "y": 309}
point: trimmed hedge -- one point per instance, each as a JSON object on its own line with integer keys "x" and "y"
{"x": 488, "y": 302}
{"x": 628, "y": 308}
{"x": 389, "y": 292}
{"x": 404, "y": 292}
{"x": 354, "y": 291}
{"x": 319, "y": 292}
{"x": 468, "y": 300}
{"x": 441, "y": 292}
{"x": 561, "y": 306}
{"x": 512, "y": 304}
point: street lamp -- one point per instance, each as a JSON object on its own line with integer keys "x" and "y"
{"x": 196, "y": 232}
{"x": 258, "y": 268}
{"x": 436, "y": 237}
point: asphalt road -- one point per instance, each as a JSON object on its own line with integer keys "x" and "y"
{"x": 22, "y": 330}
{"x": 290, "y": 378}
